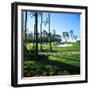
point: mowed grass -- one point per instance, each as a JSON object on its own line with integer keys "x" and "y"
{"x": 67, "y": 64}
{"x": 75, "y": 47}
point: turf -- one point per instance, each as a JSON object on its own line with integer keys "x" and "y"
{"x": 54, "y": 64}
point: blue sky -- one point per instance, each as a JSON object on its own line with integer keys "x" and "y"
{"x": 61, "y": 22}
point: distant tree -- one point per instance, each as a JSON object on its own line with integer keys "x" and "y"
{"x": 46, "y": 22}
{"x": 65, "y": 36}
{"x": 30, "y": 36}
{"x": 71, "y": 34}
{"x": 75, "y": 37}
{"x": 53, "y": 35}
{"x": 45, "y": 33}
{"x": 54, "y": 32}
{"x": 44, "y": 36}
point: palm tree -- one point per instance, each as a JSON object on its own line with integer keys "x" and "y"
{"x": 36, "y": 32}
{"x": 71, "y": 34}
{"x": 45, "y": 33}
{"x": 53, "y": 35}
{"x": 75, "y": 37}
{"x": 54, "y": 32}
{"x": 47, "y": 21}
{"x": 30, "y": 36}
{"x": 41, "y": 14}
{"x": 50, "y": 46}
{"x": 32, "y": 15}
{"x": 65, "y": 36}
{"x": 25, "y": 26}
{"x": 25, "y": 31}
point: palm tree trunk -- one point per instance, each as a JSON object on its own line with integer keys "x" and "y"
{"x": 34, "y": 38}
{"x": 36, "y": 32}
{"x": 50, "y": 47}
{"x": 41, "y": 32}
{"x": 25, "y": 26}
{"x": 25, "y": 40}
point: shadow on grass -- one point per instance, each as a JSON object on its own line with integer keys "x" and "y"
{"x": 70, "y": 58}
{"x": 67, "y": 67}
{"x": 63, "y": 66}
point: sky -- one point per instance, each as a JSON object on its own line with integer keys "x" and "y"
{"x": 61, "y": 22}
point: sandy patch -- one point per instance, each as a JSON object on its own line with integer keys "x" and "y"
{"x": 65, "y": 45}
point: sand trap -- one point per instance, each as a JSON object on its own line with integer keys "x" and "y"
{"x": 65, "y": 45}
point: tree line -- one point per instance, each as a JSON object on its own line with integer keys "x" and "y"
{"x": 44, "y": 36}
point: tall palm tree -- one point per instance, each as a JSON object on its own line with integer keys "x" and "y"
{"x": 32, "y": 15}
{"x": 25, "y": 31}
{"x": 25, "y": 26}
{"x": 41, "y": 14}
{"x": 49, "y": 21}
{"x": 45, "y": 23}
{"x": 36, "y": 32}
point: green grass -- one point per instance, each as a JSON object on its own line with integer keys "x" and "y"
{"x": 66, "y": 59}
{"x": 67, "y": 64}
{"x": 75, "y": 47}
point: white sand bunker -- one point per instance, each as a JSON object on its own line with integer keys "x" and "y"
{"x": 65, "y": 45}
